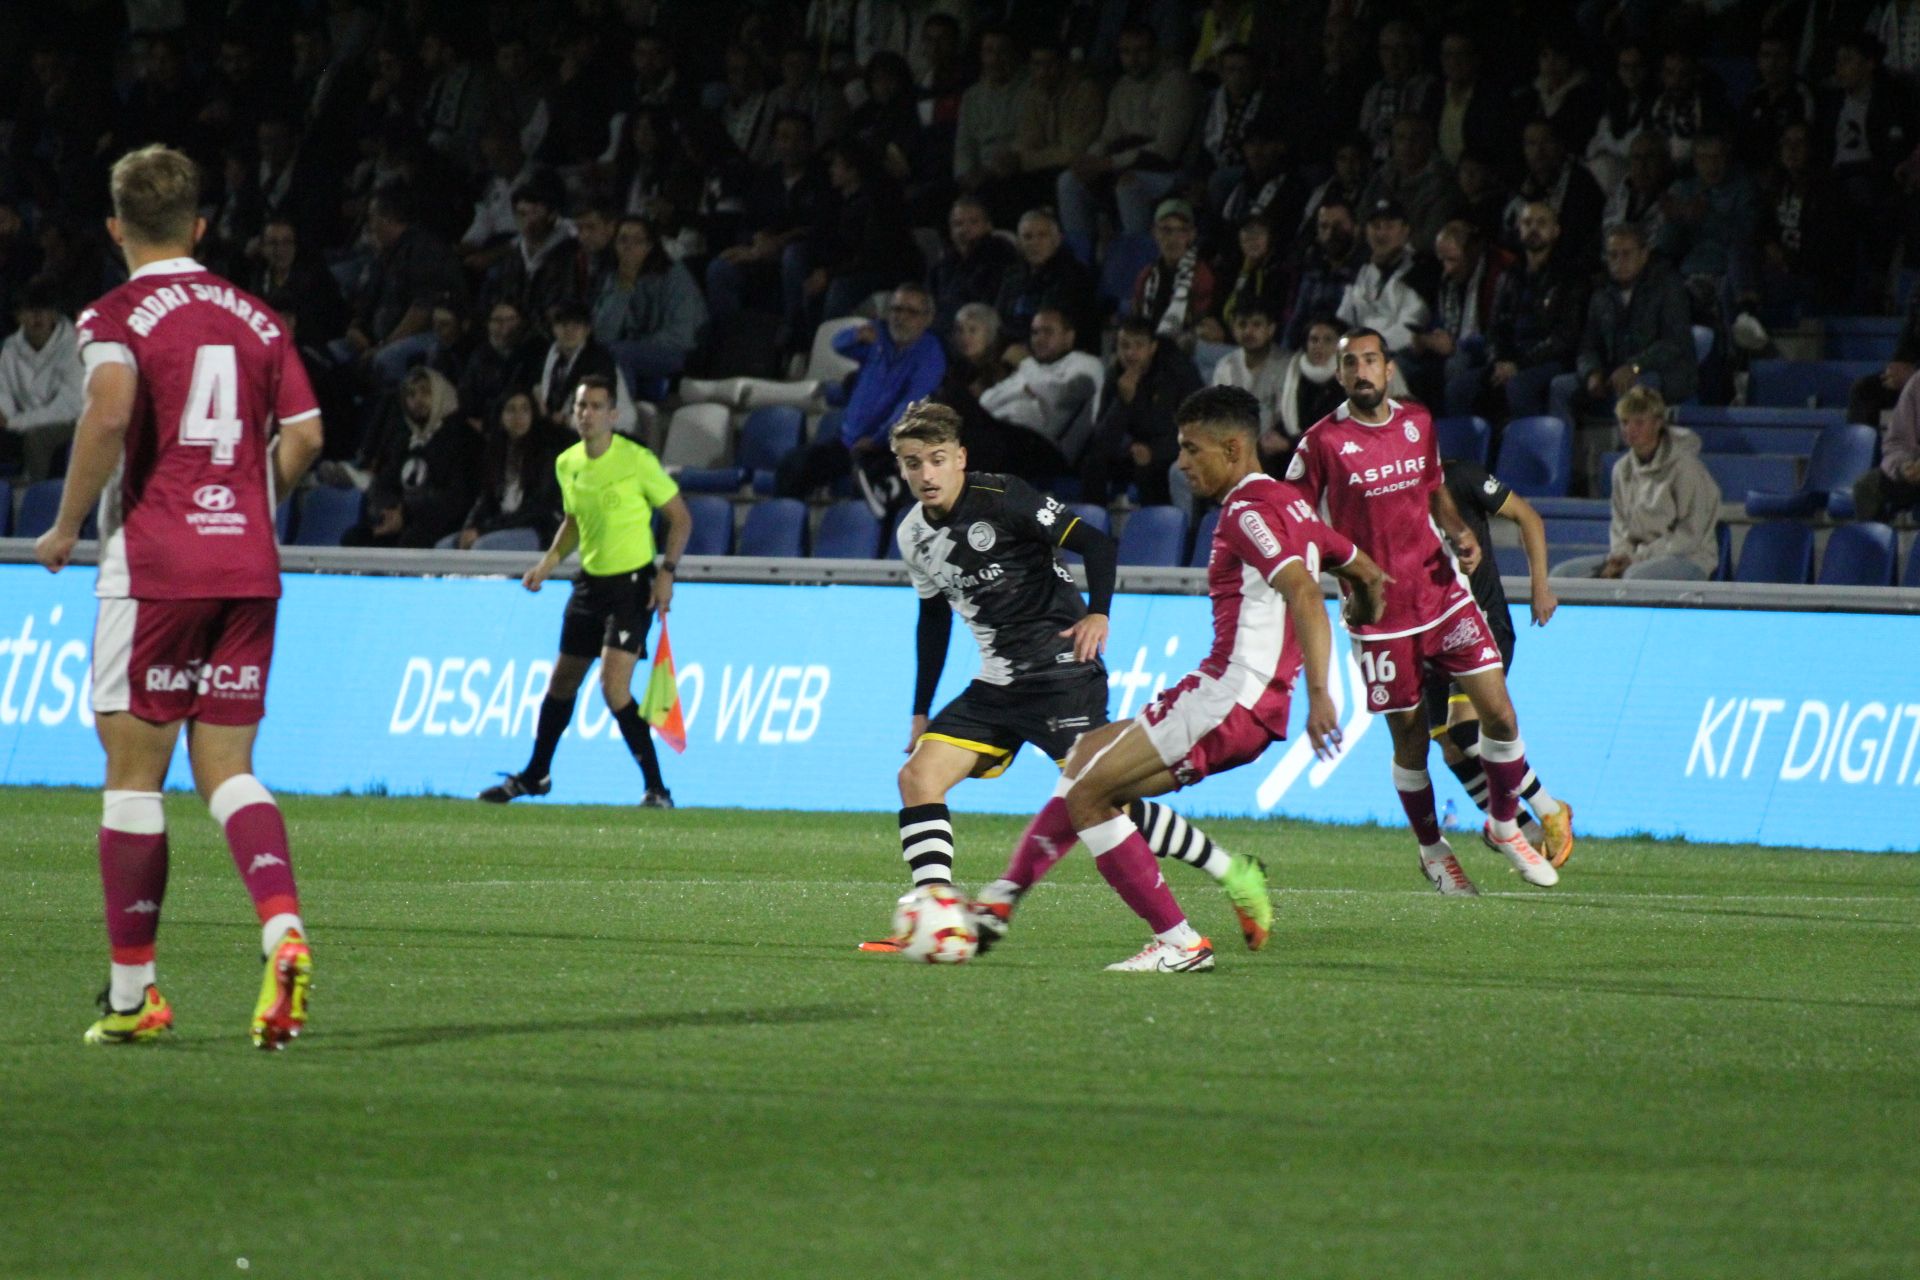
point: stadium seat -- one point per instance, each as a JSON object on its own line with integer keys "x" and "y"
{"x": 1912, "y": 576}
{"x": 1463, "y": 438}
{"x": 712, "y": 526}
{"x": 1812, "y": 383}
{"x": 710, "y": 479}
{"x": 698, "y": 435}
{"x": 1840, "y": 456}
{"x": 824, "y": 364}
{"x": 1757, "y": 415}
{"x": 1840, "y": 505}
{"x": 1797, "y": 441}
{"x": 1777, "y": 551}
{"x": 827, "y": 425}
{"x": 1127, "y": 256}
{"x": 848, "y": 531}
{"x": 1702, "y": 343}
{"x": 1723, "y": 543}
{"x": 1859, "y": 555}
{"x": 519, "y": 539}
{"x": 326, "y": 513}
{"x": 1579, "y": 508}
{"x": 1078, "y": 245}
{"x": 1510, "y": 561}
{"x": 6, "y": 508}
{"x": 1091, "y": 513}
{"x": 769, "y": 434}
{"x": 775, "y": 527}
{"x": 1203, "y": 539}
{"x": 1536, "y": 456}
{"x": 1861, "y": 337}
{"x": 39, "y": 507}
{"x": 1154, "y": 537}
{"x": 1577, "y": 530}
{"x": 283, "y": 522}
{"x": 892, "y": 550}
{"x": 1739, "y": 474}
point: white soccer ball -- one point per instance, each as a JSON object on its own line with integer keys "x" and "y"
{"x": 934, "y": 921}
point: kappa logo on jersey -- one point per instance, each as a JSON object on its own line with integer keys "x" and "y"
{"x": 981, "y": 537}
{"x": 1255, "y": 528}
{"x": 1349, "y": 447}
{"x": 144, "y": 907}
{"x": 1465, "y": 632}
{"x": 1488, "y": 653}
{"x": 1413, "y": 433}
{"x": 214, "y": 497}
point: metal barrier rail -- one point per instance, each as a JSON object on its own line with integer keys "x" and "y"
{"x": 1775, "y": 597}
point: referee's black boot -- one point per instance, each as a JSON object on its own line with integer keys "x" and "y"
{"x": 514, "y": 785}
{"x": 657, "y": 800}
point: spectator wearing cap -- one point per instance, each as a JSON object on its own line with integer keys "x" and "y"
{"x": 1404, "y": 87}
{"x": 539, "y": 267}
{"x": 1539, "y": 312}
{"x": 1046, "y": 278}
{"x": 1175, "y": 291}
{"x": 1136, "y": 157}
{"x": 1328, "y": 268}
{"x": 1639, "y": 332}
{"x": 1393, "y": 292}
{"x": 573, "y": 354}
{"x": 1553, "y": 176}
{"x": 1664, "y": 501}
{"x": 1415, "y": 178}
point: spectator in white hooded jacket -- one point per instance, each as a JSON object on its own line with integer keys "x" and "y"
{"x": 41, "y": 385}
{"x": 1665, "y": 502}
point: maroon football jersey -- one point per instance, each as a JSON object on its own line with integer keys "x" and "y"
{"x": 189, "y": 514}
{"x": 1263, "y": 525}
{"x": 1377, "y": 483}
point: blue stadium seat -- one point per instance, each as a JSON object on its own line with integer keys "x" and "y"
{"x": 827, "y": 425}
{"x": 1861, "y": 337}
{"x": 1859, "y": 555}
{"x": 1127, "y": 256}
{"x": 1805, "y": 382}
{"x": 1579, "y": 508}
{"x": 1154, "y": 536}
{"x": 1739, "y": 474}
{"x": 39, "y": 508}
{"x": 1840, "y": 456}
{"x": 521, "y": 538}
{"x": 1203, "y": 539}
{"x": 1840, "y": 505}
{"x": 325, "y": 514}
{"x": 1603, "y": 478}
{"x": 775, "y": 527}
{"x": 1702, "y": 343}
{"x": 1091, "y": 513}
{"x": 712, "y": 526}
{"x": 1080, "y": 247}
{"x": 1577, "y": 530}
{"x": 653, "y": 390}
{"x": 1797, "y": 441}
{"x": 1463, "y": 438}
{"x": 1912, "y": 576}
{"x": 769, "y": 434}
{"x": 1757, "y": 415}
{"x": 1723, "y": 542}
{"x": 710, "y": 479}
{"x": 1510, "y": 561}
{"x": 1777, "y": 551}
{"x": 848, "y": 531}
{"x": 892, "y": 550}
{"x": 6, "y": 508}
{"x": 1536, "y": 456}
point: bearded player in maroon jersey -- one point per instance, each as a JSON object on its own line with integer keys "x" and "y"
{"x": 186, "y": 378}
{"x": 1375, "y": 467}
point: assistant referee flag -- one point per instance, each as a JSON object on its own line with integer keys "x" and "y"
{"x": 661, "y": 706}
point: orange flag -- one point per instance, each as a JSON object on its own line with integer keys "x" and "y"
{"x": 661, "y": 707}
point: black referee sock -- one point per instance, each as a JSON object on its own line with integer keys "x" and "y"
{"x": 639, "y": 736}
{"x": 554, "y": 714}
{"x": 1171, "y": 836}
{"x": 926, "y": 842}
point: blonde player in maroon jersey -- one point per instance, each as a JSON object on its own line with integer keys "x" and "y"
{"x": 1269, "y": 621}
{"x": 1375, "y": 467}
{"x": 186, "y": 377}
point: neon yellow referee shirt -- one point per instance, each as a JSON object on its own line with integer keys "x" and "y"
{"x": 612, "y": 499}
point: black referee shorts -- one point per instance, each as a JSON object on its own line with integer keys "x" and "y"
{"x": 993, "y": 720}
{"x": 612, "y": 612}
{"x": 1440, "y": 691}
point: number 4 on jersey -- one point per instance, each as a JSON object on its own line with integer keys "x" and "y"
{"x": 212, "y": 416}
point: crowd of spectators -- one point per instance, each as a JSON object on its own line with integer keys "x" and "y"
{"x": 1058, "y": 216}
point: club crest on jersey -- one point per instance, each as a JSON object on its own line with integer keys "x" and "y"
{"x": 980, "y": 536}
{"x": 1378, "y": 695}
{"x": 1492, "y": 486}
{"x": 1465, "y": 632}
{"x": 1297, "y": 469}
{"x": 213, "y": 497}
{"x": 1413, "y": 433}
{"x": 1262, "y": 537}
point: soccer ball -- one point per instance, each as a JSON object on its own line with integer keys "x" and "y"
{"x": 933, "y": 920}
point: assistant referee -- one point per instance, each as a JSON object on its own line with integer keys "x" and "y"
{"x": 609, "y": 487}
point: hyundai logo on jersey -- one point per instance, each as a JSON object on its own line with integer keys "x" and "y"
{"x": 213, "y": 497}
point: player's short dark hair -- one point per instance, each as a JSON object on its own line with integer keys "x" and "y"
{"x": 599, "y": 382}
{"x": 156, "y": 195}
{"x": 542, "y": 187}
{"x": 1362, "y": 331}
{"x": 926, "y": 422}
{"x": 1220, "y": 410}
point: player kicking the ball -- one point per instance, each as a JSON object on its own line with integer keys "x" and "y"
{"x": 1374, "y": 463}
{"x": 983, "y": 546}
{"x": 1269, "y": 620}
{"x": 185, "y": 378}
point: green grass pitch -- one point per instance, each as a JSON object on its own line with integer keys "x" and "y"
{"x": 594, "y": 1042}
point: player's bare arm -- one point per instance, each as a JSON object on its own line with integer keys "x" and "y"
{"x": 679, "y": 529}
{"x": 1447, "y": 515}
{"x": 98, "y": 440}
{"x": 1307, "y": 611}
{"x": 1533, "y": 536}
{"x": 565, "y": 539}
{"x": 294, "y": 450}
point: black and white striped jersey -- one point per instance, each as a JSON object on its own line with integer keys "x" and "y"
{"x": 995, "y": 558}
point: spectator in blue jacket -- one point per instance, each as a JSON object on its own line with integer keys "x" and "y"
{"x": 648, "y": 309}
{"x": 900, "y": 362}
